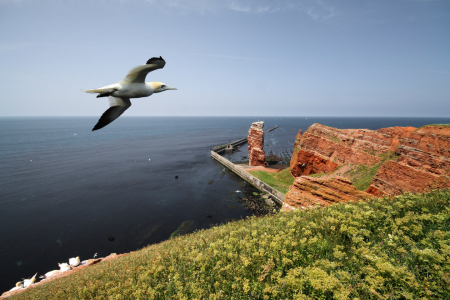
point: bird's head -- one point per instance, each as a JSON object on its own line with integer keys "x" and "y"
{"x": 159, "y": 87}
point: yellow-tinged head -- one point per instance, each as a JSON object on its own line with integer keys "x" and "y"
{"x": 159, "y": 87}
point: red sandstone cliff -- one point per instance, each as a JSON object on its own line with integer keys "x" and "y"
{"x": 404, "y": 158}
{"x": 424, "y": 162}
{"x": 309, "y": 191}
{"x": 256, "y": 155}
{"x": 322, "y": 149}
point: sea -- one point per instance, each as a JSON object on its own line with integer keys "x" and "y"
{"x": 66, "y": 191}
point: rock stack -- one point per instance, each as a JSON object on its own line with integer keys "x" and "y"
{"x": 256, "y": 155}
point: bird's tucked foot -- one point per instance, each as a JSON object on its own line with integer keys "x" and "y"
{"x": 106, "y": 94}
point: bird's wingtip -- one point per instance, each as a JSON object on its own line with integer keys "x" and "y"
{"x": 157, "y": 61}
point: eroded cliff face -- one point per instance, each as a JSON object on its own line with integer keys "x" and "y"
{"x": 423, "y": 163}
{"x": 256, "y": 155}
{"x": 322, "y": 149}
{"x": 307, "y": 192}
{"x": 390, "y": 160}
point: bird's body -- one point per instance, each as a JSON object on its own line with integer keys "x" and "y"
{"x": 64, "y": 267}
{"x": 28, "y": 282}
{"x": 132, "y": 86}
{"x": 49, "y": 274}
{"x": 74, "y": 261}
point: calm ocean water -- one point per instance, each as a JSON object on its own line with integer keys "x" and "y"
{"x": 64, "y": 190}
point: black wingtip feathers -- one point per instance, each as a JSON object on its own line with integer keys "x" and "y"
{"x": 157, "y": 61}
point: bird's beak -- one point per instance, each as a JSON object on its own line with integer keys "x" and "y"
{"x": 169, "y": 88}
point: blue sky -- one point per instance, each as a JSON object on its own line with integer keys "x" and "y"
{"x": 229, "y": 57}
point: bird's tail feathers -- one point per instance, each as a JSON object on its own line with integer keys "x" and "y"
{"x": 94, "y": 91}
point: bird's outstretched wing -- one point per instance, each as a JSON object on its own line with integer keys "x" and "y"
{"x": 138, "y": 74}
{"x": 117, "y": 107}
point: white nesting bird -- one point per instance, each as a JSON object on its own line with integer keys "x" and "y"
{"x": 18, "y": 286}
{"x": 74, "y": 261}
{"x": 132, "y": 86}
{"x": 64, "y": 267}
{"x": 49, "y": 274}
{"x": 28, "y": 282}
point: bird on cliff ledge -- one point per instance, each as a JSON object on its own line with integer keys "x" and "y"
{"x": 132, "y": 86}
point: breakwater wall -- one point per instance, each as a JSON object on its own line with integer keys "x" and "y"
{"x": 222, "y": 148}
{"x": 275, "y": 195}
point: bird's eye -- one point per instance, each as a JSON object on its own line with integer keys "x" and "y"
{"x": 163, "y": 86}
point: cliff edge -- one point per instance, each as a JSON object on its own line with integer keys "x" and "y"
{"x": 387, "y": 161}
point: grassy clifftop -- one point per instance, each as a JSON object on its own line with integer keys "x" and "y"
{"x": 279, "y": 181}
{"x": 383, "y": 248}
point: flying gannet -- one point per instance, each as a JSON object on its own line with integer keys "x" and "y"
{"x": 132, "y": 86}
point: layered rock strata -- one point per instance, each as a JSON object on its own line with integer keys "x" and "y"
{"x": 322, "y": 149}
{"x": 306, "y": 192}
{"x": 421, "y": 161}
{"x": 256, "y": 155}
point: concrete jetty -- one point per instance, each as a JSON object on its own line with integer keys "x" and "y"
{"x": 229, "y": 146}
{"x": 260, "y": 185}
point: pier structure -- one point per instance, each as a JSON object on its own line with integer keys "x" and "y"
{"x": 260, "y": 185}
{"x": 229, "y": 146}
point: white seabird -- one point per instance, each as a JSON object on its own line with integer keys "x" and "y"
{"x": 28, "y": 282}
{"x": 74, "y": 261}
{"x": 64, "y": 267}
{"x": 132, "y": 86}
{"x": 49, "y": 274}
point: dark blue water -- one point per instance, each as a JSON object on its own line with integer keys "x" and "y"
{"x": 64, "y": 190}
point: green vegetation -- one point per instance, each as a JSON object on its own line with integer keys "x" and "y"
{"x": 362, "y": 175}
{"x": 370, "y": 151}
{"x": 183, "y": 229}
{"x": 437, "y": 125}
{"x": 279, "y": 181}
{"x": 334, "y": 138}
{"x": 380, "y": 249}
